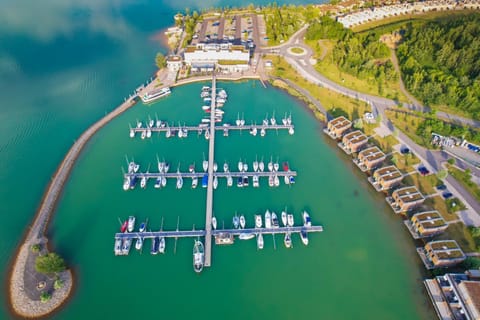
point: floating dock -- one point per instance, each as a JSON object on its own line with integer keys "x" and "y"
{"x": 153, "y": 175}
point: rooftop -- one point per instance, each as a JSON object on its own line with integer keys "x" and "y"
{"x": 371, "y": 154}
{"x": 388, "y": 173}
{"x": 443, "y": 244}
{"x": 429, "y": 219}
{"x": 473, "y": 289}
{"x": 407, "y": 194}
{"x": 340, "y": 122}
{"x": 355, "y": 137}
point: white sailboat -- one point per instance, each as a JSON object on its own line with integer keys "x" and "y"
{"x": 288, "y": 240}
{"x": 240, "y": 165}
{"x": 161, "y": 245}
{"x": 215, "y": 182}
{"x": 194, "y": 182}
{"x": 261, "y": 165}
{"x": 242, "y": 221}
{"x": 270, "y": 165}
{"x": 225, "y": 167}
{"x": 256, "y": 183}
{"x": 284, "y": 218}
{"x": 255, "y": 164}
{"x": 229, "y": 180}
{"x": 268, "y": 221}
{"x": 260, "y": 241}
{"x": 214, "y": 223}
{"x": 290, "y": 220}
{"x": 276, "y": 181}
{"x": 258, "y": 221}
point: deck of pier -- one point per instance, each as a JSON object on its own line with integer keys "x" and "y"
{"x": 174, "y": 175}
{"x": 201, "y": 233}
{"x": 211, "y": 153}
{"x": 200, "y": 128}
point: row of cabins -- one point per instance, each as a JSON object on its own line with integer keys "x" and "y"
{"x": 383, "y": 12}
{"x": 421, "y": 225}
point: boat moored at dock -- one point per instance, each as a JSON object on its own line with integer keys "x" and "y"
{"x": 131, "y": 223}
{"x": 155, "y": 94}
{"x": 198, "y": 256}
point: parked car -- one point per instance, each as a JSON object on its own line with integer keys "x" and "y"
{"x": 423, "y": 171}
{"x": 447, "y": 195}
{"x": 441, "y": 187}
{"x": 404, "y": 150}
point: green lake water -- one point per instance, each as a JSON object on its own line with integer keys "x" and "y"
{"x": 63, "y": 65}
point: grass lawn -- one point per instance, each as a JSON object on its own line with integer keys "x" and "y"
{"x": 438, "y": 203}
{"x": 329, "y": 69}
{"x": 408, "y": 124}
{"x": 297, "y": 50}
{"x": 465, "y": 179}
{"x": 386, "y": 143}
{"x": 425, "y": 184}
{"x": 334, "y": 103}
{"x": 405, "y": 163}
{"x": 460, "y": 233}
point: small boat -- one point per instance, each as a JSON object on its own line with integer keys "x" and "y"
{"x": 118, "y": 246}
{"x": 245, "y": 181}
{"x": 256, "y": 183}
{"x": 133, "y": 182}
{"x": 191, "y": 168}
{"x": 285, "y": 166}
{"x": 225, "y": 167}
{"x": 126, "y": 183}
{"x": 246, "y": 236}
{"x": 136, "y": 167}
{"x": 168, "y": 133}
{"x": 270, "y": 165}
{"x": 161, "y": 245}
{"x": 304, "y": 236}
{"x": 207, "y": 134}
{"x": 253, "y": 131}
{"x": 255, "y": 165}
{"x": 194, "y": 182}
{"x": 160, "y": 166}
{"x": 206, "y": 88}
{"x": 291, "y": 131}
{"x": 205, "y": 120}
{"x": 123, "y": 227}
{"x": 139, "y": 124}
{"x": 276, "y": 166}
{"x": 139, "y": 243}
{"x": 205, "y": 180}
{"x": 306, "y": 219}
{"x": 290, "y": 221}
{"x": 276, "y": 181}
{"x": 155, "y": 244}
{"x": 143, "y": 182}
{"x": 240, "y": 166}
{"x": 265, "y": 122}
{"x": 143, "y": 135}
{"x": 229, "y": 180}
{"x": 284, "y": 120}
{"x": 261, "y": 166}
{"x": 180, "y": 133}
{"x": 198, "y": 256}
{"x": 205, "y": 108}
{"x": 242, "y": 122}
{"x": 142, "y": 227}
{"x": 292, "y": 179}
{"x": 179, "y": 182}
{"x": 288, "y": 240}
{"x": 205, "y": 165}
{"x": 204, "y": 94}
{"x": 185, "y": 132}
{"x": 158, "y": 123}
{"x": 260, "y": 241}
{"x": 215, "y": 167}
{"x": 284, "y": 218}
{"x": 268, "y": 220}
{"x": 258, "y": 221}
{"x": 245, "y": 167}
{"x": 286, "y": 179}
{"x": 132, "y": 133}
{"x": 275, "y": 223}
{"x": 131, "y": 167}
{"x": 215, "y": 182}
{"x": 219, "y": 112}
{"x": 242, "y": 221}
{"x": 236, "y": 221}
{"x": 149, "y": 133}
{"x": 127, "y": 243}
{"x": 131, "y": 223}
{"x": 272, "y": 119}
{"x": 164, "y": 181}
{"x": 214, "y": 223}
{"x": 263, "y": 132}
{"x": 207, "y": 100}
{"x": 166, "y": 167}
{"x": 270, "y": 181}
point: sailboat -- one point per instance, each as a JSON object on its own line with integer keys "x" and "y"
{"x": 139, "y": 243}
{"x": 284, "y": 218}
{"x": 242, "y": 221}
{"x": 215, "y": 182}
{"x": 198, "y": 256}
{"x": 225, "y": 167}
{"x": 260, "y": 241}
{"x": 268, "y": 221}
{"x": 288, "y": 240}
{"x": 161, "y": 245}
{"x": 229, "y": 180}
{"x": 261, "y": 165}
{"x": 240, "y": 165}
{"x": 214, "y": 223}
{"x": 255, "y": 164}
{"x": 194, "y": 182}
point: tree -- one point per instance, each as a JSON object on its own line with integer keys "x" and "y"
{"x": 160, "y": 60}
{"x": 45, "y": 296}
{"x": 49, "y": 263}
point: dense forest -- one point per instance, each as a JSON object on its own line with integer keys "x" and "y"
{"x": 283, "y": 21}
{"x": 359, "y": 54}
{"x": 440, "y": 62}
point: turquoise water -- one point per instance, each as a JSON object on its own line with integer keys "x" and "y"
{"x": 65, "y": 64}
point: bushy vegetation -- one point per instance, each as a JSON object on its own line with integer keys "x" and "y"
{"x": 360, "y": 55}
{"x": 282, "y": 22}
{"x": 430, "y": 125}
{"x": 49, "y": 263}
{"x": 440, "y": 62}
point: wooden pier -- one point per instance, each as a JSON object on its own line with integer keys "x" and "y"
{"x": 174, "y": 175}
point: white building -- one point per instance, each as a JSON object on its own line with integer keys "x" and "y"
{"x": 174, "y": 63}
{"x": 227, "y": 57}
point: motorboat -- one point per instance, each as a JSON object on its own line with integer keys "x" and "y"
{"x": 291, "y": 131}
{"x": 306, "y": 219}
{"x": 263, "y": 132}
{"x": 258, "y": 221}
{"x": 158, "y": 123}
{"x": 143, "y": 182}
{"x": 161, "y": 245}
{"x": 270, "y": 165}
{"x": 275, "y": 223}
{"x": 256, "y": 183}
{"x": 155, "y": 94}
{"x": 207, "y": 134}
{"x": 131, "y": 167}
{"x": 240, "y": 166}
{"x": 205, "y": 120}
{"x": 133, "y": 182}
{"x": 276, "y": 181}
{"x": 285, "y": 166}
{"x": 292, "y": 179}
{"x": 118, "y": 246}
{"x": 180, "y": 133}
{"x": 268, "y": 220}
{"x": 265, "y": 122}
{"x": 136, "y": 167}
{"x": 126, "y": 183}
{"x": 255, "y": 165}
{"x": 198, "y": 256}
{"x": 290, "y": 221}
{"x": 143, "y": 227}
{"x": 276, "y": 166}
{"x": 194, "y": 182}
{"x": 222, "y": 94}
{"x": 225, "y": 167}
{"x": 123, "y": 227}
{"x": 206, "y": 88}
{"x": 191, "y": 168}
{"x": 127, "y": 244}
{"x": 204, "y": 94}
{"x": 287, "y": 240}
{"x": 179, "y": 182}
{"x": 242, "y": 221}
{"x": 131, "y": 223}
{"x": 144, "y": 134}
{"x": 168, "y": 133}
{"x": 205, "y": 108}
{"x": 164, "y": 181}
{"x": 253, "y": 131}
{"x": 286, "y": 179}
{"x": 245, "y": 167}
{"x": 214, "y": 223}
{"x": 132, "y": 133}
{"x": 245, "y": 181}
{"x": 273, "y": 121}
{"x": 160, "y": 165}
{"x": 139, "y": 124}
{"x": 246, "y": 236}
{"x": 236, "y": 221}
{"x": 261, "y": 166}
{"x": 225, "y": 132}
{"x": 155, "y": 244}
{"x": 215, "y": 167}
{"x": 166, "y": 167}
{"x": 304, "y": 236}
{"x": 229, "y": 180}
{"x": 215, "y": 182}
{"x": 207, "y": 100}
{"x": 185, "y": 132}
{"x": 139, "y": 243}
{"x": 205, "y": 165}
{"x": 284, "y": 218}
{"x": 260, "y": 241}
{"x": 149, "y": 133}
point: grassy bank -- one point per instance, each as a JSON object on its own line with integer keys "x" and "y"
{"x": 465, "y": 179}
